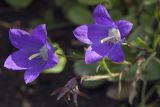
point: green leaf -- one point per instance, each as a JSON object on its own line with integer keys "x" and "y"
{"x": 116, "y": 14}
{"x": 91, "y": 2}
{"x": 141, "y": 42}
{"x": 109, "y": 4}
{"x": 82, "y": 69}
{"x": 19, "y": 3}
{"x": 138, "y": 32}
{"x": 152, "y": 70}
{"x": 93, "y": 83}
{"x": 149, "y": 2}
{"x": 62, "y": 61}
{"x": 156, "y": 42}
{"x": 146, "y": 19}
{"x": 132, "y": 18}
{"x": 79, "y": 15}
{"x": 130, "y": 74}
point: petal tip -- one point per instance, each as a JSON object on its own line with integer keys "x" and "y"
{"x": 81, "y": 33}
{"x": 29, "y": 79}
{"x": 101, "y": 15}
{"x": 130, "y": 24}
{"x": 88, "y": 62}
{"x": 100, "y": 6}
{"x": 79, "y": 30}
{"x": 42, "y": 26}
{"x": 8, "y": 63}
{"x": 12, "y": 30}
{"x": 27, "y": 82}
{"x": 124, "y": 26}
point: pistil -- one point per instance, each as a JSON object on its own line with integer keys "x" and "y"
{"x": 43, "y": 53}
{"x": 113, "y": 36}
{"x": 34, "y": 56}
{"x": 107, "y": 39}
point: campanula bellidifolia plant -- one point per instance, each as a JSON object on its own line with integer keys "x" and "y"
{"x": 113, "y": 52}
{"x": 105, "y": 36}
{"x": 35, "y": 53}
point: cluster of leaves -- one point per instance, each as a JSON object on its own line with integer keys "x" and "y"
{"x": 142, "y": 50}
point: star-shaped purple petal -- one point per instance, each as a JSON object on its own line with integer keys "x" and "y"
{"x": 35, "y": 54}
{"x": 105, "y": 37}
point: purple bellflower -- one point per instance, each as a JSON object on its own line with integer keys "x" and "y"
{"x": 35, "y": 53}
{"x": 105, "y": 37}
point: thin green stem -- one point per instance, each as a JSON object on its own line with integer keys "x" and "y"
{"x": 70, "y": 57}
{"x": 142, "y": 104}
{"x": 120, "y": 84}
{"x": 156, "y": 59}
{"x": 149, "y": 59}
{"x": 138, "y": 48}
{"x": 106, "y": 67}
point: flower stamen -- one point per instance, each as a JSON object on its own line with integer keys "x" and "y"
{"x": 106, "y": 39}
{"x": 43, "y": 53}
{"x": 113, "y": 36}
{"x": 34, "y": 56}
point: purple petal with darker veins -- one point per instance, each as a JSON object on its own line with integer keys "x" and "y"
{"x": 102, "y": 49}
{"x": 91, "y": 33}
{"x": 116, "y": 53}
{"x": 96, "y": 52}
{"x": 20, "y": 60}
{"x": 91, "y": 56}
{"x": 22, "y": 39}
{"x": 124, "y": 27}
{"x": 101, "y": 15}
{"x": 40, "y": 33}
{"x": 52, "y": 59}
{"x": 32, "y": 73}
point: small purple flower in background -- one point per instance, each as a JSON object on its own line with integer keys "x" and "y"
{"x": 35, "y": 53}
{"x": 105, "y": 37}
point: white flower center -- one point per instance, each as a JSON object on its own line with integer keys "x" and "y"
{"x": 113, "y": 36}
{"x": 43, "y": 53}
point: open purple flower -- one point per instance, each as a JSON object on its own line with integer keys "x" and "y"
{"x": 105, "y": 37}
{"x": 35, "y": 53}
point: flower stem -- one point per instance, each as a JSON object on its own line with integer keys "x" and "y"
{"x": 138, "y": 48}
{"x": 106, "y": 67}
{"x": 120, "y": 84}
{"x": 70, "y": 57}
{"x": 142, "y": 104}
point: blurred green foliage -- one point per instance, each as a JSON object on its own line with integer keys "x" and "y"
{"x": 19, "y": 3}
{"x": 83, "y": 16}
